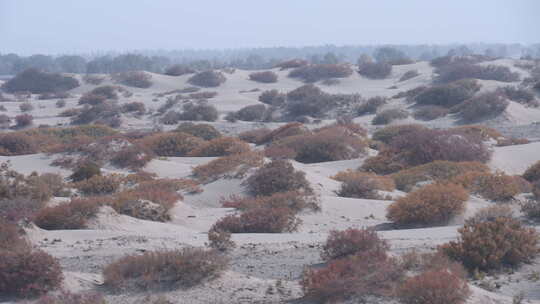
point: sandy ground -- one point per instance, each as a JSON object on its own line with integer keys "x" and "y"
{"x": 265, "y": 268}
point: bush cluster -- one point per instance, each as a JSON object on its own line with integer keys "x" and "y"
{"x": 434, "y": 204}
{"x": 277, "y": 176}
{"x": 493, "y": 243}
{"x": 37, "y": 82}
{"x": 272, "y": 97}
{"x": 248, "y": 113}
{"x": 375, "y": 70}
{"x": 179, "y": 70}
{"x": 136, "y": 79}
{"x": 345, "y": 243}
{"x": 23, "y": 120}
{"x": 264, "y": 77}
{"x": 172, "y": 144}
{"x": 363, "y": 185}
{"x": 387, "y": 116}
{"x": 496, "y": 187}
{"x": 17, "y": 144}
{"x": 371, "y": 105}
{"x": 164, "y": 269}
{"x": 316, "y": 72}
{"x": 220, "y": 147}
{"x": 234, "y": 165}
{"x": 72, "y": 215}
{"x": 260, "y": 220}
{"x": 291, "y": 64}
{"x": 133, "y": 107}
{"x": 532, "y": 174}
{"x": 207, "y": 79}
{"x": 520, "y": 95}
{"x": 430, "y": 112}
{"x": 201, "y": 130}
{"x": 99, "y": 185}
{"x": 197, "y": 112}
{"x": 489, "y": 104}
{"x": 452, "y": 72}
{"x": 447, "y": 95}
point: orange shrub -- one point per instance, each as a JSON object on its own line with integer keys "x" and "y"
{"x": 290, "y": 129}
{"x": 220, "y": 147}
{"x": 354, "y": 277}
{"x": 260, "y": 220}
{"x": 492, "y": 244}
{"x": 72, "y": 215}
{"x": 277, "y": 176}
{"x": 164, "y": 269}
{"x": 235, "y": 165}
{"x": 435, "y": 171}
{"x": 99, "y": 185}
{"x": 341, "y": 244}
{"x": 431, "y": 204}
{"x": 17, "y": 144}
{"x": 497, "y": 187}
{"x": 383, "y": 163}
{"x": 26, "y": 272}
{"x": 254, "y": 136}
{"x": 132, "y": 157}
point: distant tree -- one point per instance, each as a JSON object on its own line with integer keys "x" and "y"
{"x": 71, "y": 64}
{"x": 388, "y": 54}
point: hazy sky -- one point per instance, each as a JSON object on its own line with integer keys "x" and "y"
{"x": 71, "y": 26}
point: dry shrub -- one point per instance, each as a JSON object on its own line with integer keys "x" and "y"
{"x": 387, "y": 116}
{"x": 448, "y": 95}
{"x": 496, "y": 187}
{"x": 23, "y": 120}
{"x": 291, "y": 64}
{"x": 316, "y": 72}
{"x": 290, "y": 129}
{"x": 375, "y": 70}
{"x": 272, "y": 97}
{"x": 389, "y": 133}
{"x": 532, "y": 174}
{"x": 70, "y": 113}
{"x": 326, "y": 144}
{"x": 264, "y": 77}
{"x": 93, "y": 79}
{"x": 164, "y": 269}
{"x": 254, "y": 136}
{"x": 132, "y": 157}
{"x": 27, "y": 272}
{"x": 486, "y": 105}
{"x": 9, "y": 235}
{"x": 248, "y": 113}
{"x": 220, "y": 240}
{"x": 382, "y": 164}
{"x": 106, "y": 114}
{"x": 430, "y": 112}
{"x": 207, "y": 79}
{"x": 363, "y": 185}
{"x": 99, "y": 185}
{"x": 434, "y": 204}
{"x": 492, "y": 244}
{"x": 199, "y": 111}
{"x": 72, "y": 215}
{"x": 235, "y": 165}
{"x": 277, "y": 176}
{"x": 355, "y": 277}
{"x": 201, "y": 130}
{"x": 437, "y": 171}
{"x": 260, "y": 220}
{"x": 486, "y": 133}
{"x": 512, "y": 141}
{"x": 294, "y": 200}
{"x": 37, "y": 82}
{"x": 179, "y": 70}
{"x": 371, "y": 105}
{"x": 409, "y": 75}
{"x": 221, "y": 147}
{"x": 345, "y": 243}
{"x": 520, "y": 95}
{"x": 135, "y": 106}
{"x": 172, "y": 144}
{"x": 17, "y": 144}
{"x": 439, "y": 286}
{"x": 136, "y": 79}
{"x": 424, "y": 145}
{"x": 203, "y": 95}
{"x": 85, "y": 171}
{"x": 26, "y": 107}
{"x": 531, "y": 209}
{"x": 452, "y": 72}
{"x": 66, "y": 297}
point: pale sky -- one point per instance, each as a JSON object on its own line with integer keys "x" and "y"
{"x": 83, "y": 26}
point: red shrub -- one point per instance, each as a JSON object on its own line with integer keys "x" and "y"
{"x": 493, "y": 243}
{"x": 72, "y": 215}
{"x": 25, "y": 272}
{"x": 353, "y": 278}
{"x": 434, "y": 287}
{"x": 264, "y": 77}
{"x": 164, "y": 269}
{"x": 341, "y": 244}
{"x": 277, "y": 176}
